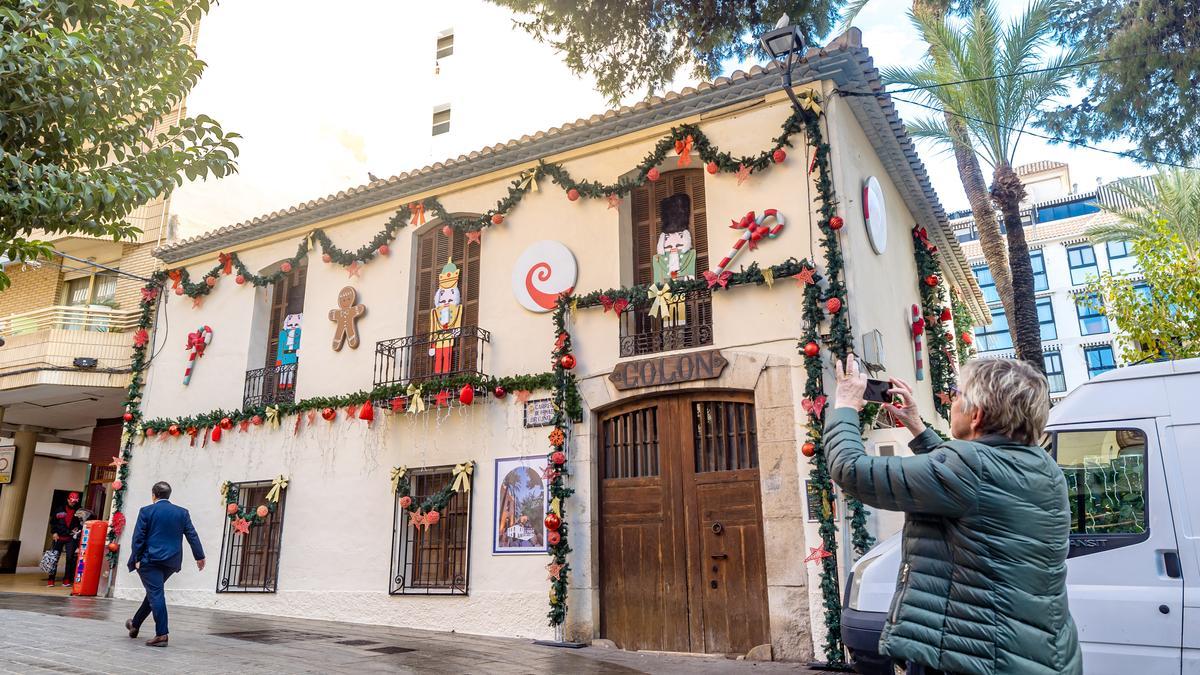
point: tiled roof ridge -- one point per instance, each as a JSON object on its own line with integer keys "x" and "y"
{"x": 1038, "y": 166}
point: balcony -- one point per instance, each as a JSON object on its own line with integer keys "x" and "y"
{"x": 408, "y": 359}
{"x": 270, "y": 386}
{"x": 41, "y": 347}
{"x": 689, "y": 324}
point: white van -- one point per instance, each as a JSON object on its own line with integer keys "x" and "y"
{"x": 1129, "y": 443}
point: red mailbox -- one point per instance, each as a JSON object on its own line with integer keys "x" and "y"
{"x": 91, "y": 557}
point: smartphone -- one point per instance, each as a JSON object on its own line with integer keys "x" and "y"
{"x": 877, "y": 391}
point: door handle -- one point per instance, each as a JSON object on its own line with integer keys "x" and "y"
{"x": 1171, "y": 564}
{"x": 720, "y": 556}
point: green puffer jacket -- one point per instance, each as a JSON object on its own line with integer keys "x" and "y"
{"x": 982, "y": 586}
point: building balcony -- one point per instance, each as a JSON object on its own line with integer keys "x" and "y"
{"x": 270, "y": 386}
{"x": 86, "y": 346}
{"x": 688, "y": 324}
{"x": 429, "y": 356}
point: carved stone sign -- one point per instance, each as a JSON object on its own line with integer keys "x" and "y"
{"x": 669, "y": 369}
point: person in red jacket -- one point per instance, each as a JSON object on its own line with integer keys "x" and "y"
{"x": 65, "y": 527}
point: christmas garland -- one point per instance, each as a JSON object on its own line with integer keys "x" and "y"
{"x": 964, "y": 335}
{"x": 935, "y": 312}
{"x": 619, "y": 299}
{"x": 684, "y": 140}
{"x": 242, "y": 519}
{"x": 428, "y": 512}
{"x": 567, "y": 407}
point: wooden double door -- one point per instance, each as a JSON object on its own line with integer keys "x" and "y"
{"x": 682, "y": 566}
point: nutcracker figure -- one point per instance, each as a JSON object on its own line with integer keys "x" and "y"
{"x": 445, "y": 319}
{"x": 285, "y": 351}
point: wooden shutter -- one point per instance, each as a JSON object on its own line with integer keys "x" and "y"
{"x": 287, "y": 297}
{"x": 433, "y": 250}
{"x": 646, "y": 222}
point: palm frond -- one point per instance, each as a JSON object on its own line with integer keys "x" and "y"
{"x": 851, "y": 12}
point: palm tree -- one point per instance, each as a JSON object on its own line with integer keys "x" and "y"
{"x": 1173, "y": 197}
{"x": 992, "y": 79}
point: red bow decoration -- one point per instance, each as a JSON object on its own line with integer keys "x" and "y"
{"x": 118, "y": 523}
{"x": 418, "y": 213}
{"x": 619, "y": 305}
{"x": 923, "y": 236}
{"x": 746, "y": 221}
{"x": 149, "y": 294}
{"x": 918, "y": 326}
{"x": 244, "y": 425}
{"x": 195, "y": 341}
{"x": 352, "y": 411}
{"x": 715, "y": 279}
{"x": 175, "y": 276}
{"x": 813, "y": 406}
{"x": 140, "y": 338}
{"x": 606, "y": 302}
{"x": 226, "y": 261}
{"x": 683, "y": 148}
{"x": 561, "y": 341}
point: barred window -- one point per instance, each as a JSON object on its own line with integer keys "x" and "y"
{"x": 250, "y": 562}
{"x": 432, "y": 559}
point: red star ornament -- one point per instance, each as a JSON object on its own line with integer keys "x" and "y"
{"x": 117, "y": 462}
{"x": 614, "y": 201}
{"x": 817, "y": 553}
{"x": 475, "y": 237}
{"x": 742, "y": 174}
{"x": 353, "y": 269}
{"x": 442, "y": 398}
{"x": 805, "y": 277}
{"x": 241, "y": 526}
{"x": 555, "y": 569}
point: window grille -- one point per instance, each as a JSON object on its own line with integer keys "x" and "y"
{"x": 433, "y": 560}
{"x": 250, "y": 562}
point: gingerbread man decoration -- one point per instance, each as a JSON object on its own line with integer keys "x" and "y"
{"x": 345, "y": 316}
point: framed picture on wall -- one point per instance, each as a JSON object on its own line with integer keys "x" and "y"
{"x": 521, "y": 501}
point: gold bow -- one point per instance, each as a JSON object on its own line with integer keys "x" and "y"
{"x": 272, "y": 413}
{"x": 556, "y": 506}
{"x": 277, "y": 486}
{"x": 810, "y": 101}
{"x": 310, "y": 242}
{"x": 139, "y": 432}
{"x": 124, "y": 438}
{"x": 416, "y": 399}
{"x": 462, "y": 476}
{"x": 663, "y": 300}
{"x": 529, "y": 180}
{"x": 225, "y": 491}
{"x": 769, "y": 276}
{"x": 397, "y": 476}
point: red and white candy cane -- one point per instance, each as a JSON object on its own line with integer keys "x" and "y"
{"x": 755, "y": 230}
{"x": 918, "y": 332}
{"x": 196, "y": 342}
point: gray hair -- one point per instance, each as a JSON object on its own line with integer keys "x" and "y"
{"x": 1012, "y": 394}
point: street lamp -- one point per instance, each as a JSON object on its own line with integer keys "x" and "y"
{"x": 785, "y": 43}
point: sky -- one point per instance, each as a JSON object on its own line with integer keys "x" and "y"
{"x": 323, "y": 98}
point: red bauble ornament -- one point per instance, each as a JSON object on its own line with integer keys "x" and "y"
{"x": 499, "y": 392}
{"x": 836, "y": 223}
{"x": 833, "y": 305}
{"x": 652, "y": 174}
{"x": 366, "y": 412}
{"x": 808, "y": 449}
{"x": 812, "y": 349}
{"x": 967, "y": 338}
{"x": 384, "y": 250}
{"x": 932, "y": 280}
{"x": 432, "y": 517}
{"x": 405, "y": 502}
{"x": 117, "y": 485}
{"x": 553, "y": 538}
{"x": 128, "y": 417}
{"x": 558, "y": 457}
{"x": 286, "y": 267}
{"x": 114, "y": 546}
{"x": 466, "y": 395}
{"x": 150, "y": 433}
{"x": 573, "y": 194}
{"x": 179, "y": 291}
{"x": 447, "y": 230}
{"x": 497, "y": 218}
{"x": 173, "y": 430}
{"x": 231, "y": 508}
{"x": 778, "y": 156}
{"x": 262, "y": 511}
{"x": 945, "y": 314}
{"x": 256, "y": 420}
{"x": 226, "y": 423}
{"x": 328, "y": 414}
{"x": 567, "y": 361}
{"x": 211, "y": 281}
{"x": 553, "y": 522}
{"x": 712, "y": 168}
{"x": 326, "y": 258}
{"x": 239, "y": 280}
{"x": 216, "y": 434}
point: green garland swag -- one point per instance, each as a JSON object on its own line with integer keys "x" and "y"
{"x": 639, "y": 295}
{"x": 435, "y": 503}
{"x": 964, "y": 330}
{"x": 260, "y": 514}
{"x": 936, "y": 312}
{"x": 716, "y": 161}
{"x": 567, "y": 407}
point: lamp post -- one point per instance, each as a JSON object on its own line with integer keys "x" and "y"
{"x": 785, "y": 43}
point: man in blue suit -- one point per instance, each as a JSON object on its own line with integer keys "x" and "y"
{"x": 157, "y": 554}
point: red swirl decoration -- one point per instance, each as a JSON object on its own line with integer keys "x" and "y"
{"x": 543, "y": 272}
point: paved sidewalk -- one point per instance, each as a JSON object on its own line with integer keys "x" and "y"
{"x": 86, "y": 635}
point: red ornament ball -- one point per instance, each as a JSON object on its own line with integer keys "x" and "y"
{"x": 497, "y": 218}
{"x": 812, "y": 349}
{"x": 262, "y": 511}
{"x": 712, "y": 168}
{"x": 405, "y": 502}
{"x": 778, "y": 156}
{"x": 226, "y": 423}
{"x": 328, "y": 414}
{"x": 558, "y": 457}
{"x": 256, "y": 420}
{"x": 567, "y": 361}
{"x": 211, "y": 281}
{"x": 179, "y": 290}
{"x": 173, "y": 430}
{"x": 117, "y": 485}
{"x": 239, "y": 280}
{"x": 499, "y": 392}
{"x": 653, "y": 174}
{"x": 573, "y": 194}
{"x": 833, "y": 305}
{"x": 384, "y": 250}
{"x": 128, "y": 417}
{"x": 231, "y": 508}
{"x": 945, "y": 314}
{"x": 553, "y": 522}
{"x": 447, "y": 230}
{"x": 967, "y": 338}
{"x": 466, "y": 395}
{"x": 836, "y": 223}
{"x": 326, "y": 258}
{"x": 150, "y": 433}
{"x": 286, "y": 268}
{"x": 553, "y": 538}
{"x": 114, "y": 546}
{"x": 808, "y": 449}
{"x": 433, "y": 517}
{"x": 932, "y": 280}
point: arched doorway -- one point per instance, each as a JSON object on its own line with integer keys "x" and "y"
{"x": 682, "y": 566}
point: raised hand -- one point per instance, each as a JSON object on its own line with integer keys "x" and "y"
{"x": 906, "y": 411}
{"x": 850, "y": 384}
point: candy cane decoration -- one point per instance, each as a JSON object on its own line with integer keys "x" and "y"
{"x": 755, "y": 230}
{"x": 196, "y": 342}
{"x": 918, "y": 331}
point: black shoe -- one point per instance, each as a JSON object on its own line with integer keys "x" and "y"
{"x": 157, "y": 641}
{"x": 129, "y": 627}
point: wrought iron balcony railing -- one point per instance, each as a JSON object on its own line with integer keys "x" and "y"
{"x": 268, "y": 386}
{"x": 428, "y": 356}
{"x": 688, "y": 324}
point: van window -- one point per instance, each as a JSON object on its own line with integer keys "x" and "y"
{"x": 1106, "y": 479}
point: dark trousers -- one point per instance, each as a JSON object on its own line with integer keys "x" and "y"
{"x": 918, "y": 669}
{"x": 68, "y": 549}
{"x": 153, "y": 579}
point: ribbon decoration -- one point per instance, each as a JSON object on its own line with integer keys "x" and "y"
{"x": 810, "y": 101}
{"x": 529, "y": 180}
{"x": 663, "y": 301}
{"x": 277, "y": 486}
{"x": 398, "y": 474}
{"x": 462, "y": 476}
{"x": 813, "y": 406}
{"x": 226, "y": 261}
{"x": 225, "y": 491}
{"x": 176, "y": 276}
{"x": 556, "y": 506}
{"x": 769, "y": 277}
{"x": 715, "y": 279}
{"x": 310, "y": 242}
{"x": 272, "y": 412}
{"x": 418, "y": 213}
{"x": 683, "y": 148}
{"x": 416, "y": 399}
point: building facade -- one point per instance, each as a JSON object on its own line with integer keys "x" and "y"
{"x": 1078, "y": 341}
{"x": 691, "y": 511}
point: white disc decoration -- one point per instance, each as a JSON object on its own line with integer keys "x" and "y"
{"x": 875, "y": 214}
{"x": 544, "y": 271}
